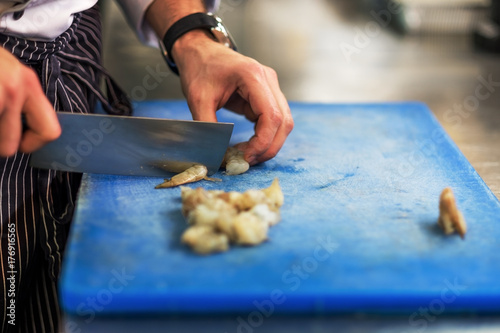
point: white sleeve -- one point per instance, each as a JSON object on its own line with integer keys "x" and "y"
{"x": 135, "y": 10}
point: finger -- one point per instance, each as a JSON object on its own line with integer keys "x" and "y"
{"x": 41, "y": 120}
{"x": 266, "y": 128}
{"x": 202, "y": 107}
{"x": 286, "y": 124}
{"x": 240, "y": 106}
{"x": 271, "y": 109}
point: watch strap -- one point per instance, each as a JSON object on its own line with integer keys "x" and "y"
{"x": 184, "y": 25}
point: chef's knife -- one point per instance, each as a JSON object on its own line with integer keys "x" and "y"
{"x": 120, "y": 145}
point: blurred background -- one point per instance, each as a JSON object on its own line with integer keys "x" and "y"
{"x": 445, "y": 53}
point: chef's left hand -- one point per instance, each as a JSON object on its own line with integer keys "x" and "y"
{"x": 214, "y": 76}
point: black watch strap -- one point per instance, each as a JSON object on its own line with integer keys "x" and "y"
{"x": 186, "y": 24}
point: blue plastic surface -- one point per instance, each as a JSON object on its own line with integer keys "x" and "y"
{"x": 358, "y": 229}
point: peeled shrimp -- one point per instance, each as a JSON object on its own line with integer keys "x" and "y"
{"x": 204, "y": 240}
{"x": 234, "y": 162}
{"x": 243, "y": 218}
{"x": 249, "y": 229}
{"x": 450, "y": 218}
{"x": 274, "y": 195}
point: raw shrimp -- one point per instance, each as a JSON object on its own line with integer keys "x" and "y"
{"x": 249, "y": 229}
{"x": 190, "y": 175}
{"x": 274, "y": 195}
{"x": 204, "y": 240}
{"x": 450, "y": 218}
{"x": 234, "y": 162}
{"x": 243, "y": 218}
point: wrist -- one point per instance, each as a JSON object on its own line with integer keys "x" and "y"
{"x": 190, "y": 33}
{"x": 190, "y": 43}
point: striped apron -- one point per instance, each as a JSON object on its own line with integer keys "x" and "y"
{"x": 36, "y": 206}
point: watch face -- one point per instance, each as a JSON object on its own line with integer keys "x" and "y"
{"x": 221, "y": 37}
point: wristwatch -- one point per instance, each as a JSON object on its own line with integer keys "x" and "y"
{"x": 206, "y": 21}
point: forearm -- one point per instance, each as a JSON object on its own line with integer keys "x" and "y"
{"x": 161, "y": 14}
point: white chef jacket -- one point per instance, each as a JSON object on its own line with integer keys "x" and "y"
{"x": 44, "y": 20}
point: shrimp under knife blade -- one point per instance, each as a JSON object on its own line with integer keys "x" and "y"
{"x": 234, "y": 162}
{"x": 193, "y": 174}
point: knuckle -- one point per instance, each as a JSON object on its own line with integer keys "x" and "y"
{"x": 272, "y": 73}
{"x": 276, "y": 117}
{"x": 256, "y": 71}
{"x": 50, "y": 134}
{"x": 54, "y": 132}
{"x": 289, "y": 124}
{"x": 25, "y": 80}
{"x": 11, "y": 89}
{"x": 29, "y": 75}
{"x": 260, "y": 142}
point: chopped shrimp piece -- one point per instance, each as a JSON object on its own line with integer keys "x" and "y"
{"x": 210, "y": 212}
{"x": 450, "y": 218}
{"x": 274, "y": 194}
{"x": 243, "y": 218}
{"x": 265, "y": 214}
{"x": 204, "y": 240}
{"x": 192, "y": 198}
{"x": 249, "y": 229}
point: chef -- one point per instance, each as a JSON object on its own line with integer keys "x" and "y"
{"x": 50, "y": 61}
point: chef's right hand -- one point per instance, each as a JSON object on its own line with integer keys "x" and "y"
{"x": 22, "y": 94}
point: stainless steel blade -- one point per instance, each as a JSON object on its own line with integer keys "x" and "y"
{"x": 133, "y": 145}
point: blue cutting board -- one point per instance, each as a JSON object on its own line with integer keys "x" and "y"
{"x": 358, "y": 229}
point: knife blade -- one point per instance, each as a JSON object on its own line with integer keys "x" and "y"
{"x": 137, "y": 146}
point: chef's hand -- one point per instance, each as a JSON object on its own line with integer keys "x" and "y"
{"x": 214, "y": 76}
{"x": 21, "y": 93}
